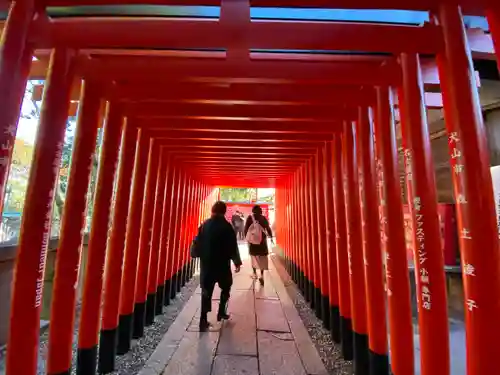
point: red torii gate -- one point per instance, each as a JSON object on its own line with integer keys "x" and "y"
{"x": 333, "y": 190}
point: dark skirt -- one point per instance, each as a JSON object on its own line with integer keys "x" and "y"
{"x": 260, "y": 249}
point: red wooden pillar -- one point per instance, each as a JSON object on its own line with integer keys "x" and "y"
{"x": 333, "y": 288}
{"x": 27, "y": 288}
{"x": 287, "y": 226}
{"x": 298, "y": 231}
{"x": 159, "y": 205}
{"x": 477, "y": 223}
{"x": 163, "y": 244}
{"x": 342, "y": 258}
{"x": 170, "y": 292}
{"x": 397, "y": 279}
{"x": 189, "y": 231}
{"x": 115, "y": 252}
{"x": 127, "y": 294}
{"x": 179, "y": 234}
{"x": 309, "y": 224}
{"x": 493, "y": 16}
{"x": 141, "y": 286}
{"x": 15, "y": 63}
{"x": 186, "y": 231}
{"x": 372, "y": 252}
{"x": 303, "y": 274}
{"x": 355, "y": 250}
{"x": 429, "y": 262}
{"x": 316, "y": 304}
{"x": 72, "y": 226}
{"x": 169, "y": 228}
{"x": 92, "y": 288}
{"x": 323, "y": 308}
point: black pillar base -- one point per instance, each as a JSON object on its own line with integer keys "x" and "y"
{"x": 178, "y": 284}
{"x": 317, "y": 303}
{"x": 301, "y": 281}
{"x": 347, "y": 338}
{"x": 173, "y": 286}
{"x": 361, "y": 354}
{"x": 335, "y": 323}
{"x": 325, "y": 311}
{"x": 312, "y": 295}
{"x": 191, "y": 268}
{"x": 139, "y": 317}
{"x": 160, "y": 296}
{"x": 166, "y": 295}
{"x": 107, "y": 350}
{"x": 67, "y": 372}
{"x": 86, "y": 361}
{"x": 307, "y": 289}
{"x": 379, "y": 364}
{"x": 150, "y": 309}
{"x": 124, "y": 334}
{"x": 182, "y": 278}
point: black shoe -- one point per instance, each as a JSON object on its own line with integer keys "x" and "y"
{"x": 204, "y": 325}
{"x": 261, "y": 280}
{"x": 222, "y": 316}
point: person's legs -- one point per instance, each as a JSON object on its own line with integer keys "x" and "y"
{"x": 225, "y": 284}
{"x": 207, "y": 290}
{"x": 261, "y": 280}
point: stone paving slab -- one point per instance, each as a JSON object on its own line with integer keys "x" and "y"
{"x": 270, "y": 316}
{"x": 265, "y": 335}
{"x": 239, "y": 335}
{"x": 278, "y": 356}
{"x": 307, "y": 351}
{"x": 195, "y": 354}
{"x": 235, "y": 365}
{"x": 267, "y": 291}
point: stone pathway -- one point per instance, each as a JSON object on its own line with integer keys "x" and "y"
{"x": 265, "y": 335}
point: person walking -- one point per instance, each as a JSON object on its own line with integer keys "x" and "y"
{"x": 256, "y": 231}
{"x": 216, "y": 246}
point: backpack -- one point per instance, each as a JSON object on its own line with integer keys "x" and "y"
{"x": 254, "y": 234}
{"x": 196, "y": 244}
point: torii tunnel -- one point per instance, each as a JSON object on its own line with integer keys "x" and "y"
{"x": 306, "y": 106}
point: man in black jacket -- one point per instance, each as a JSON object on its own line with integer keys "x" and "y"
{"x": 217, "y": 247}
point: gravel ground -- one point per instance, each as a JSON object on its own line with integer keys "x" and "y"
{"x": 329, "y": 351}
{"x": 132, "y": 362}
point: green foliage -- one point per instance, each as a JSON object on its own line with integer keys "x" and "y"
{"x": 236, "y": 194}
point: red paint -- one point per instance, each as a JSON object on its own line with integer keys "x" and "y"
{"x": 15, "y": 63}
{"x": 94, "y": 273}
{"x": 29, "y": 271}
{"x": 73, "y": 222}
{"x": 116, "y": 250}
{"x": 134, "y": 225}
{"x": 372, "y": 253}
{"x": 141, "y": 286}
{"x": 477, "y": 224}
{"x": 393, "y": 237}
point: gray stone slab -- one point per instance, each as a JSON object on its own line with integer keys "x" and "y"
{"x": 267, "y": 291}
{"x": 235, "y": 365}
{"x": 306, "y": 349}
{"x": 212, "y": 318}
{"x": 195, "y": 354}
{"x": 238, "y": 337}
{"x": 270, "y": 316}
{"x": 242, "y": 281}
{"x": 278, "y": 356}
{"x": 171, "y": 341}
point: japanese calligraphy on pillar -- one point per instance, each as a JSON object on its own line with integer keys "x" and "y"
{"x": 460, "y": 199}
{"x": 421, "y": 255}
{"x": 56, "y": 164}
